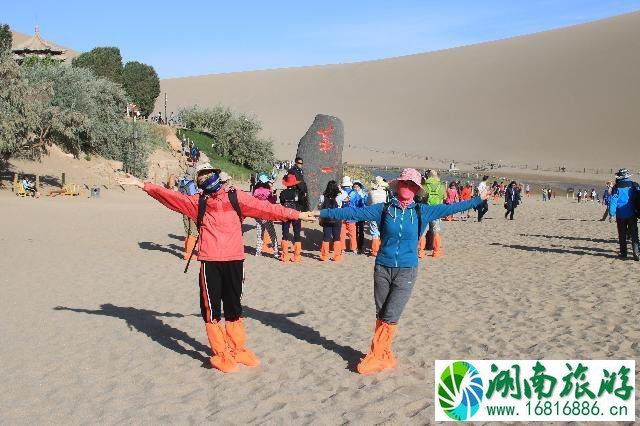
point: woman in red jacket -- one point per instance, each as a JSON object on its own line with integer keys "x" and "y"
{"x": 221, "y": 253}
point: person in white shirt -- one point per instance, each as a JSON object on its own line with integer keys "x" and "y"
{"x": 484, "y": 207}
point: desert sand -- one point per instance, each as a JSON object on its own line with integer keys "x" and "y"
{"x": 100, "y": 325}
{"x": 566, "y": 97}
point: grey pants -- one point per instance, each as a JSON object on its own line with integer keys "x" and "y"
{"x": 391, "y": 289}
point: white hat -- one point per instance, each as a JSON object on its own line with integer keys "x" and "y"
{"x": 346, "y": 181}
{"x": 224, "y": 177}
{"x": 201, "y": 167}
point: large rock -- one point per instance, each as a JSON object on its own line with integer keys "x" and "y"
{"x": 321, "y": 150}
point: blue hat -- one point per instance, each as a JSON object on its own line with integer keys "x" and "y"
{"x": 263, "y": 178}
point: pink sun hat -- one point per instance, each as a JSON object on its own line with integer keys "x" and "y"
{"x": 409, "y": 175}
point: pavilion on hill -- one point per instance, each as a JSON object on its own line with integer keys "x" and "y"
{"x": 37, "y": 46}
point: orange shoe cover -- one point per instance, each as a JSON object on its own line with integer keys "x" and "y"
{"x": 189, "y": 246}
{"x": 375, "y": 246}
{"x": 422, "y": 244}
{"x": 324, "y": 251}
{"x": 297, "y": 252}
{"x": 380, "y": 357}
{"x": 237, "y": 338}
{"x": 337, "y": 251}
{"x": 284, "y": 255}
{"x": 437, "y": 246}
{"x": 222, "y": 358}
{"x": 266, "y": 240}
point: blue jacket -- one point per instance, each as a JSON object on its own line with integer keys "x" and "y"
{"x": 606, "y": 196}
{"x": 623, "y": 196}
{"x": 399, "y": 245}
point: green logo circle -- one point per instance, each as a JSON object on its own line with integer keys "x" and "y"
{"x": 460, "y": 390}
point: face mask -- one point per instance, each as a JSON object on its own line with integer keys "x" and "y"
{"x": 405, "y": 192}
{"x": 212, "y": 184}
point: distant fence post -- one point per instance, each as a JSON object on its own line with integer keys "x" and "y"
{"x": 64, "y": 179}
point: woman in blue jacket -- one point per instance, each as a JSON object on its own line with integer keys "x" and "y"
{"x": 625, "y": 198}
{"x": 400, "y": 223}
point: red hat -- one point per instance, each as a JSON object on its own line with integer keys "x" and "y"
{"x": 290, "y": 180}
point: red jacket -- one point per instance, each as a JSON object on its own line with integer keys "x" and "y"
{"x": 221, "y": 231}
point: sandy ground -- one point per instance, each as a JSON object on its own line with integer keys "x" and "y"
{"x": 100, "y": 325}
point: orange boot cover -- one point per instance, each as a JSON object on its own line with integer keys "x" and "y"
{"x": 353, "y": 239}
{"x": 189, "y": 246}
{"x": 380, "y": 357}
{"x": 337, "y": 251}
{"x": 284, "y": 255}
{"x": 237, "y": 341}
{"x": 422, "y": 244}
{"x": 222, "y": 358}
{"x": 324, "y": 251}
{"x": 297, "y": 252}
{"x": 375, "y": 246}
{"x": 343, "y": 235}
{"x": 437, "y": 246}
{"x": 266, "y": 240}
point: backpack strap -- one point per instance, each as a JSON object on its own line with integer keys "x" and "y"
{"x": 233, "y": 199}
{"x": 383, "y": 219}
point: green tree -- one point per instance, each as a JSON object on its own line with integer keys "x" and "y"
{"x": 6, "y": 38}
{"x": 105, "y": 62}
{"x": 142, "y": 85}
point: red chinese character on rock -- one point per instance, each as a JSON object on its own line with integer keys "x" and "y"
{"x": 325, "y": 144}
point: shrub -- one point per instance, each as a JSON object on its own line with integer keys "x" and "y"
{"x": 235, "y": 135}
{"x": 6, "y": 38}
{"x": 142, "y": 85}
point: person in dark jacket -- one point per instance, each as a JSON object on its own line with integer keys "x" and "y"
{"x": 401, "y": 222}
{"x": 297, "y": 170}
{"x": 511, "y": 199}
{"x": 624, "y": 203}
{"x": 292, "y": 197}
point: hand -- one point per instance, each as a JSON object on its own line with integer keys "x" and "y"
{"x": 485, "y": 195}
{"x": 309, "y": 216}
{"x": 128, "y": 179}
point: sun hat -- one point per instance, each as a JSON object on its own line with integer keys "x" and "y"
{"x": 290, "y": 180}
{"x": 202, "y": 167}
{"x": 379, "y": 183}
{"x": 409, "y": 175}
{"x": 263, "y": 178}
{"x": 190, "y": 173}
{"x": 623, "y": 174}
{"x": 346, "y": 181}
{"x": 224, "y": 177}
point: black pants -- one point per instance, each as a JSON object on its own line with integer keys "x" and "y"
{"x": 286, "y": 235}
{"x": 626, "y": 227}
{"x": 221, "y": 287}
{"x": 331, "y": 232}
{"x": 483, "y": 208}
{"x": 360, "y": 236}
{"x": 510, "y": 211}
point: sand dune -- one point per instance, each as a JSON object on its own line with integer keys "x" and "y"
{"x": 103, "y": 326}
{"x": 564, "y": 97}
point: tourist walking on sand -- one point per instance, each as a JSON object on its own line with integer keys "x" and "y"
{"x": 528, "y": 190}
{"x": 187, "y": 186}
{"x": 291, "y": 197}
{"x": 511, "y": 199}
{"x": 219, "y": 211}
{"x": 606, "y": 198}
{"x": 401, "y": 222}
{"x": 452, "y": 197}
{"x": 348, "y": 226}
{"x": 331, "y": 198}
{"x": 483, "y": 208}
{"x": 625, "y": 206}
{"x": 433, "y": 195}
{"x": 465, "y": 195}
{"x": 262, "y": 191}
{"x": 377, "y": 195}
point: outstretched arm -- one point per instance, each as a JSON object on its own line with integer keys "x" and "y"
{"x": 259, "y": 209}
{"x": 430, "y": 213}
{"x": 367, "y": 213}
{"x": 181, "y": 203}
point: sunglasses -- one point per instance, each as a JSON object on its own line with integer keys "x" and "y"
{"x": 299, "y": 164}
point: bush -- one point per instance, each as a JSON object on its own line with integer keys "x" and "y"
{"x": 105, "y": 62}
{"x": 142, "y": 85}
{"x": 235, "y": 135}
{"x": 6, "y": 38}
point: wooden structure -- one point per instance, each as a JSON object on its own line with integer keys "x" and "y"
{"x": 37, "y": 46}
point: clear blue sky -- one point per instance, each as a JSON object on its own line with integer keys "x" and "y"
{"x": 182, "y": 38}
